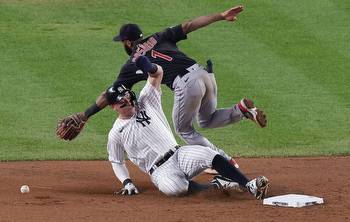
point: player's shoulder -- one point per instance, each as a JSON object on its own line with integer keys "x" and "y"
{"x": 128, "y": 66}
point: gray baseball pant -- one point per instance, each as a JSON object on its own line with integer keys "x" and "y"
{"x": 195, "y": 96}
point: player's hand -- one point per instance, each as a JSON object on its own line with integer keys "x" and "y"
{"x": 232, "y": 13}
{"x": 70, "y": 127}
{"x": 128, "y": 189}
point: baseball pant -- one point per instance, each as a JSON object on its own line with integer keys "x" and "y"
{"x": 172, "y": 177}
{"x": 195, "y": 96}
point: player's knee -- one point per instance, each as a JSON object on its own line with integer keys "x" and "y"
{"x": 204, "y": 124}
{"x": 173, "y": 192}
{"x": 191, "y": 137}
{"x": 179, "y": 129}
{"x": 185, "y": 134}
{"x": 184, "y": 128}
{"x": 174, "y": 188}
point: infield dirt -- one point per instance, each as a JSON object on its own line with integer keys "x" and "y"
{"x": 83, "y": 191}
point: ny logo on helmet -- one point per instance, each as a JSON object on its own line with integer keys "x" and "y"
{"x": 121, "y": 89}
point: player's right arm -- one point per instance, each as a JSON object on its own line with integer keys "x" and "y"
{"x": 202, "y": 21}
{"x": 127, "y": 76}
{"x": 154, "y": 71}
{"x": 71, "y": 126}
{"x": 122, "y": 174}
{"x": 100, "y": 104}
{"x": 116, "y": 157}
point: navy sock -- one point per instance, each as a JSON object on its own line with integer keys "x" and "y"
{"x": 145, "y": 65}
{"x": 227, "y": 170}
{"x": 194, "y": 187}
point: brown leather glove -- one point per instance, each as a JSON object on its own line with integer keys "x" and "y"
{"x": 69, "y": 127}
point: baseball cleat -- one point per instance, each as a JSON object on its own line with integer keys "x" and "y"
{"x": 258, "y": 187}
{"x": 224, "y": 183}
{"x": 251, "y": 112}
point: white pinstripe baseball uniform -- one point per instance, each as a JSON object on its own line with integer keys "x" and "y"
{"x": 147, "y": 136}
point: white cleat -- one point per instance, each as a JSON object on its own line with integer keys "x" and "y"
{"x": 225, "y": 184}
{"x": 258, "y": 187}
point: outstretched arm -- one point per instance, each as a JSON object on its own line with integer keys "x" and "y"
{"x": 202, "y": 21}
{"x": 70, "y": 127}
{"x": 154, "y": 71}
{"x": 101, "y": 103}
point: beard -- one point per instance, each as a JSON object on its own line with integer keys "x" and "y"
{"x": 127, "y": 50}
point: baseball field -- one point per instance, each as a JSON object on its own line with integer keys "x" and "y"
{"x": 290, "y": 57}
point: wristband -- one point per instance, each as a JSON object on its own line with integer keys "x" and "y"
{"x": 126, "y": 181}
{"x": 145, "y": 65}
{"x": 93, "y": 109}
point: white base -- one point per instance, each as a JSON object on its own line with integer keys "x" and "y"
{"x": 293, "y": 200}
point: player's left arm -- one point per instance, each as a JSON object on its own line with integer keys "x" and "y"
{"x": 202, "y": 21}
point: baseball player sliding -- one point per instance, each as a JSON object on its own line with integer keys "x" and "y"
{"x": 142, "y": 131}
{"x": 195, "y": 90}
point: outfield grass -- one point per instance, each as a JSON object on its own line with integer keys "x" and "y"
{"x": 291, "y": 57}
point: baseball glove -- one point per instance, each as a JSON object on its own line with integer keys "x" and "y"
{"x": 69, "y": 127}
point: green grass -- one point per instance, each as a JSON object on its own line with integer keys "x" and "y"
{"x": 291, "y": 57}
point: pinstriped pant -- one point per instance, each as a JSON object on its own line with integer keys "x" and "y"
{"x": 172, "y": 178}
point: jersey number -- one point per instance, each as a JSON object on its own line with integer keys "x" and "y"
{"x": 156, "y": 54}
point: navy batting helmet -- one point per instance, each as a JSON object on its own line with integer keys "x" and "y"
{"x": 116, "y": 93}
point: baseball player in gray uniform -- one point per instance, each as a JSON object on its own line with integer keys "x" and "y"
{"x": 142, "y": 131}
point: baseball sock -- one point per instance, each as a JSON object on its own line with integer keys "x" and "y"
{"x": 194, "y": 187}
{"x": 227, "y": 170}
{"x": 145, "y": 65}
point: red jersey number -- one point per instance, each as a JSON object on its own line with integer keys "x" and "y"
{"x": 156, "y": 54}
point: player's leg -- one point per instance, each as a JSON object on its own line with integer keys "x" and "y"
{"x": 211, "y": 117}
{"x": 257, "y": 186}
{"x": 187, "y": 101}
{"x": 193, "y": 159}
{"x": 169, "y": 179}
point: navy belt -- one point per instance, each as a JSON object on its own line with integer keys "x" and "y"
{"x": 160, "y": 162}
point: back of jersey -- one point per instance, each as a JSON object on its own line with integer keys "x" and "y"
{"x": 161, "y": 49}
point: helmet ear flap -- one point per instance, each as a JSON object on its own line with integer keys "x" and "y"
{"x": 110, "y": 95}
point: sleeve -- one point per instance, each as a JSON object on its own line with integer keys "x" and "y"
{"x": 115, "y": 148}
{"x": 174, "y": 34}
{"x": 129, "y": 75}
{"x": 149, "y": 95}
{"x": 120, "y": 171}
